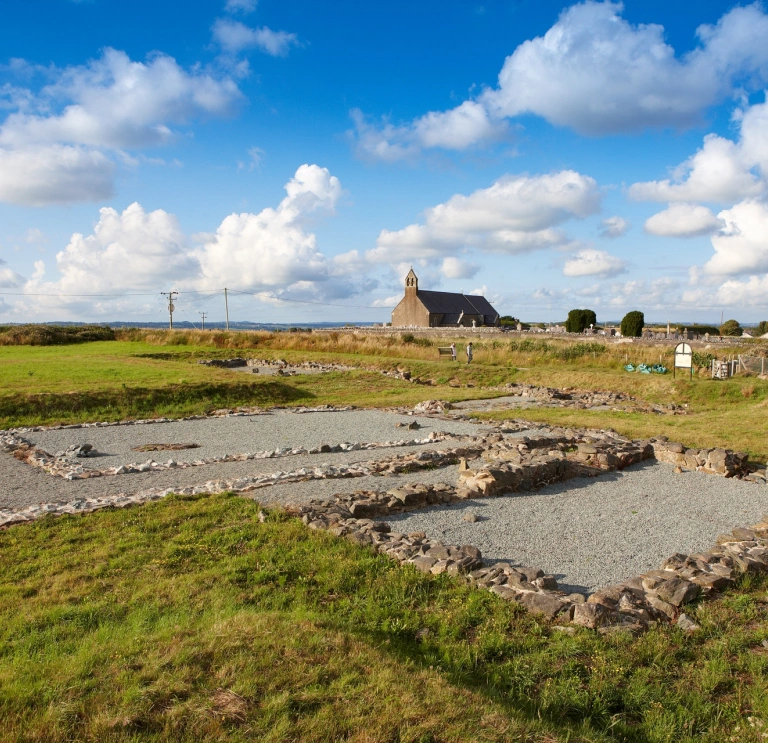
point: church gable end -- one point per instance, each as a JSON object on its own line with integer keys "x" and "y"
{"x": 424, "y": 309}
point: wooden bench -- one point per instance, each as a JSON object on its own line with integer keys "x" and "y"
{"x": 444, "y": 351}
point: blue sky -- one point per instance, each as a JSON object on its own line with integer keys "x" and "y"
{"x": 304, "y": 155}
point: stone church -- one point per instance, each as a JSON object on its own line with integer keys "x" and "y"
{"x": 423, "y": 309}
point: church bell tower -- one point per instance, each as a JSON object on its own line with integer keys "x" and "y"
{"x": 411, "y": 283}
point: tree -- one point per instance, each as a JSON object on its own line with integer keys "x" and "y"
{"x": 762, "y": 328}
{"x": 579, "y": 320}
{"x": 632, "y": 325}
{"x": 731, "y": 327}
{"x": 508, "y": 320}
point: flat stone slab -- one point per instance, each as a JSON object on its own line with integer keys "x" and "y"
{"x": 242, "y": 434}
{"x": 593, "y": 532}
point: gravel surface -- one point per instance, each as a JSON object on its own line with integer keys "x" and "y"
{"x": 241, "y": 434}
{"x": 593, "y": 532}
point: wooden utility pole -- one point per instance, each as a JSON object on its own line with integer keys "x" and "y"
{"x": 203, "y": 314}
{"x": 226, "y": 306}
{"x": 171, "y": 295}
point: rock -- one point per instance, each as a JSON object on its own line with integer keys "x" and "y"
{"x": 687, "y": 624}
{"x": 678, "y": 591}
{"x": 591, "y": 616}
{"x": 530, "y": 573}
{"x": 678, "y": 470}
{"x": 541, "y": 603}
{"x": 564, "y": 630}
{"x": 661, "y": 606}
{"x": 504, "y": 592}
{"x": 423, "y": 563}
{"x": 472, "y": 552}
{"x": 364, "y": 510}
{"x": 712, "y": 581}
{"x": 472, "y": 518}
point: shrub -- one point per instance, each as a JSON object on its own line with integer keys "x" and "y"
{"x": 731, "y": 328}
{"x": 407, "y": 337}
{"x": 54, "y": 335}
{"x": 762, "y": 328}
{"x": 702, "y": 360}
{"x": 632, "y": 325}
{"x": 579, "y": 320}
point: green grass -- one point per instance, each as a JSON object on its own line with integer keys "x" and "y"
{"x": 116, "y": 380}
{"x": 189, "y": 620}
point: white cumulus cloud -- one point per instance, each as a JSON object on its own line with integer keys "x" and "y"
{"x": 597, "y": 73}
{"x": 111, "y": 104}
{"x": 613, "y": 227}
{"x": 683, "y": 220}
{"x": 54, "y": 174}
{"x": 590, "y": 262}
{"x": 719, "y": 171}
{"x": 455, "y": 268}
{"x": 460, "y": 128}
{"x": 235, "y": 37}
{"x": 240, "y": 6}
{"x": 741, "y": 246}
{"x": 514, "y": 215}
{"x": 139, "y": 251}
{"x": 594, "y": 72}
{"x": 9, "y": 279}
{"x": 272, "y": 249}
{"x": 132, "y": 250}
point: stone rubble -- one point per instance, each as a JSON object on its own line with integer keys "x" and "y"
{"x": 61, "y": 465}
{"x": 583, "y": 399}
{"x": 713, "y": 461}
{"x": 283, "y": 367}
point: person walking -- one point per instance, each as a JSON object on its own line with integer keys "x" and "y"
{"x": 469, "y": 352}
{"x": 453, "y": 351}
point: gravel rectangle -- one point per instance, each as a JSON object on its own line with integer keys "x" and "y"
{"x": 592, "y": 532}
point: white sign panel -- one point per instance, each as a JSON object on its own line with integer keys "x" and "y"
{"x": 683, "y": 356}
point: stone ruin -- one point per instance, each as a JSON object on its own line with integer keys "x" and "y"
{"x": 505, "y": 466}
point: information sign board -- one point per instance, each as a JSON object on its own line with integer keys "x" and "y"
{"x": 683, "y": 358}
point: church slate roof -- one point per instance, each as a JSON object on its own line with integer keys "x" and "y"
{"x": 448, "y": 303}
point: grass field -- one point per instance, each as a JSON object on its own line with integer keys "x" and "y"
{"x": 189, "y": 620}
